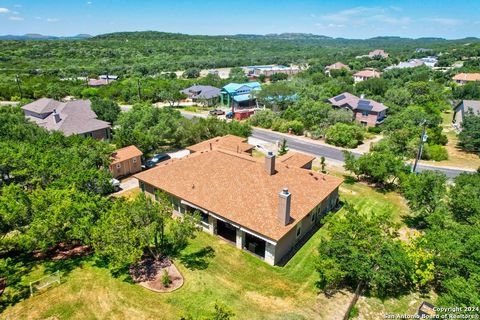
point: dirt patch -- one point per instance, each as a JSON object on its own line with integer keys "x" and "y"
{"x": 148, "y": 273}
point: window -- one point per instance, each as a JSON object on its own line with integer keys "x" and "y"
{"x": 119, "y": 165}
{"x": 142, "y": 186}
{"x": 312, "y": 216}
{"x": 299, "y": 229}
{"x": 365, "y": 113}
{"x": 134, "y": 160}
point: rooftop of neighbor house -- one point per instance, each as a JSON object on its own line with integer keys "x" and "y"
{"x": 233, "y": 87}
{"x": 200, "y": 91}
{"x": 337, "y": 66}
{"x": 467, "y": 77}
{"x": 125, "y": 153}
{"x": 470, "y": 104}
{"x": 295, "y": 159}
{"x": 368, "y": 73}
{"x": 228, "y": 142}
{"x": 357, "y": 103}
{"x": 238, "y": 188}
{"x": 72, "y": 117}
{"x": 378, "y": 52}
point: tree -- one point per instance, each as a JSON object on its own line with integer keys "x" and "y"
{"x": 283, "y": 148}
{"x": 344, "y": 135}
{"x": 322, "y": 164}
{"x": 277, "y": 96}
{"x": 469, "y": 137}
{"x": 424, "y": 191}
{"x": 278, "y": 77}
{"x": 362, "y": 249}
{"x": 237, "y": 74}
{"x": 464, "y": 197}
{"x": 106, "y": 110}
{"x": 191, "y": 73}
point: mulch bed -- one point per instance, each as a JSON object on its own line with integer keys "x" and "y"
{"x": 148, "y": 273}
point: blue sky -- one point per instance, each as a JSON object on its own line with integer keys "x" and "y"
{"x": 347, "y": 18}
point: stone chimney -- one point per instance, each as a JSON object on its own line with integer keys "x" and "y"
{"x": 270, "y": 163}
{"x": 284, "y": 200}
{"x": 56, "y": 116}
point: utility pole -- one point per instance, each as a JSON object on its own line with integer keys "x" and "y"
{"x": 423, "y": 139}
{"x": 17, "y": 81}
{"x": 139, "y": 91}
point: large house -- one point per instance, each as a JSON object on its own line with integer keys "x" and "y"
{"x": 204, "y": 94}
{"x": 126, "y": 161}
{"x": 365, "y": 75}
{"x": 367, "y": 112}
{"x": 336, "y": 66}
{"x": 378, "y": 54}
{"x": 463, "y": 78}
{"x": 270, "y": 70}
{"x": 265, "y": 206}
{"x": 413, "y": 63}
{"x": 462, "y": 108}
{"x": 240, "y": 95}
{"x": 72, "y": 117}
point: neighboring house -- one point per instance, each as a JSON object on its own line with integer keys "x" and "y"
{"x": 126, "y": 161}
{"x": 423, "y": 50}
{"x": 240, "y": 95}
{"x": 366, "y": 112}
{"x": 205, "y": 94}
{"x": 228, "y": 142}
{"x": 378, "y": 54}
{"x": 264, "y": 206}
{"x": 298, "y": 160}
{"x": 463, "y": 78}
{"x": 336, "y": 66}
{"x": 413, "y": 63}
{"x": 430, "y": 61}
{"x": 98, "y": 82}
{"x": 462, "y": 108}
{"x": 365, "y": 75}
{"x": 269, "y": 70}
{"x": 108, "y": 77}
{"x": 72, "y": 117}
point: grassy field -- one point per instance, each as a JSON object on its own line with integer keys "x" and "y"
{"x": 456, "y": 157}
{"x": 214, "y": 271}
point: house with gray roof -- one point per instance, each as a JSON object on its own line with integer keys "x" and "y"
{"x": 72, "y": 117}
{"x": 462, "y": 108}
{"x": 205, "y": 94}
{"x": 367, "y": 112}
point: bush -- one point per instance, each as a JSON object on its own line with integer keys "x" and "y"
{"x": 374, "y": 129}
{"x": 263, "y": 118}
{"x": 166, "y": 279}
{"x": 435, "y": 152}
{"x": 190, "y": 109}
{"x": 344, "y": 135}
{"x": 296, "y": 126}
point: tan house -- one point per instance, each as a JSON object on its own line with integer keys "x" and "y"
{"x": 463, "y": 78}
{"x": 126, "y": 161}
{"x": 264, "y": 206}
{"x": 365, "y": 75}
{"x": 379, "y": 53}
{"x": 336, "y": 66}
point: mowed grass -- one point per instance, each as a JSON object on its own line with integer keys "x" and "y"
{"x": 214, "y": 271}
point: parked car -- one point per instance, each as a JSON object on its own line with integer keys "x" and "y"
{"x": 229, "y": 115}
{"x": 157, "y": 158}
{"x": 115, "y": 184}
{"x": 216, "y": 112}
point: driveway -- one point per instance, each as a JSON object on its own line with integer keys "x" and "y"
{"x": 127, "y": 184}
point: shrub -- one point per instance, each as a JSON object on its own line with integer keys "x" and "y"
{"x": 263, "y": 118}
{"x": 344, "y": 135}
{"x": 190, "y": 109}
{"x": 374, "y": 129}
{"x": 278, "y": 125}
{"x": 296, "y": 126}
{"x": 166, "y": 278}
{"x": 435, "y": 152}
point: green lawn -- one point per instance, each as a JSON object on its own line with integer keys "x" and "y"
{"x": 253, "y": 289}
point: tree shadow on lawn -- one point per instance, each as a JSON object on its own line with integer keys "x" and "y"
{"x": 198, "y": 260}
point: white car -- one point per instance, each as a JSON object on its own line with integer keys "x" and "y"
{"x": 115, "y": 183}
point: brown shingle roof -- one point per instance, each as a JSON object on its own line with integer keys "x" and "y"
{"x": 228, "y": 142}
{"x": 295, "y": 159}
{"x": 125, "y": 154}
{"x": 467, "y": 77}
{"x": 237, "y": 187}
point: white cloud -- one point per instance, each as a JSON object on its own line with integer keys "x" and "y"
{"x": 52, "y": 20}
{"x": 444, "y": 21}
{"x": 89, "y": 3}
{"x": 363, "y": 15}
{"x": 38, "y": 18}
{"x": 15, "y": 12}
{"x": 15, "y": 18}
{"x": 4, "y": 10}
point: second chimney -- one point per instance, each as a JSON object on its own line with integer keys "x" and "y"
{"x": 270, "y": 163}
{"x": 284, "y": 201}
{"x": 56, "y": 116}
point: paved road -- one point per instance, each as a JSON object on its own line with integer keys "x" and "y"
{"x": 319, "y": 150}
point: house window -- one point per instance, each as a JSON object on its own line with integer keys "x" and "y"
{"x": 299, "y": 230}
{"x": 365, "y": 113}
{"x": 118, "y": 166}
{"x": 134, "y": 160}
{"x": 312, "y": 216}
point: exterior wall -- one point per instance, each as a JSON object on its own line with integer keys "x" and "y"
{"x": 127, "y": 167}
{"x": 102, "y": 134}
{"x": 287, "y": 244}
{"x": 371, "y": 119}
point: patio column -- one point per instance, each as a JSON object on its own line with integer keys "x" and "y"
{"x": 270, "y": 253}
{"x": 240, "y": 239}
{"x": 212, "y": 225}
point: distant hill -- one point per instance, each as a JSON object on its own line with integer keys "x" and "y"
{"x": 36, "y": 36}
